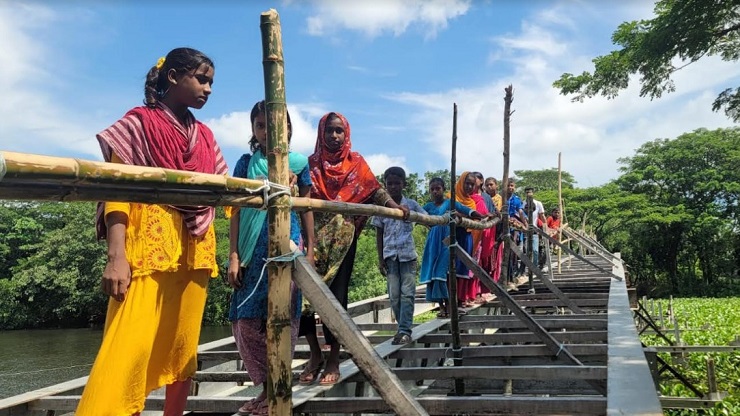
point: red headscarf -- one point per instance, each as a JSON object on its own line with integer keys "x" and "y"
{"x": 343, "y": 175}
{"x": 156, "y": 137}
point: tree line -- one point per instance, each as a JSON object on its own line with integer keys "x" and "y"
{"x": 673, "y": 214}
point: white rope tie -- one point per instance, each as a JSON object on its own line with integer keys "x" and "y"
{"x": 283, "y": 258}
{"x": 266, "y": 196}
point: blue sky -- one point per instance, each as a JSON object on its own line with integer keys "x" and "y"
{"x": 392, "y": 67}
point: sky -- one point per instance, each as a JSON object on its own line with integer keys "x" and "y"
{"x": 394, "y": 68}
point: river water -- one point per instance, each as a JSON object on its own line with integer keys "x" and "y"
{"x": 31, "y": 359}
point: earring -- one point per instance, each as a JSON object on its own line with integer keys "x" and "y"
{"x": 163, "y": 93}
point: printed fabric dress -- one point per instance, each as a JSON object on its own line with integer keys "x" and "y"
{"x": 436, "y": 259}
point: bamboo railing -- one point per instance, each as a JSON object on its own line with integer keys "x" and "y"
{"x": 31, "y": 177}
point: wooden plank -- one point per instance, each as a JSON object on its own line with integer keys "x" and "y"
{"x": 544, "y": 323}
{"x": 582, "y": 303}
{"x": 342, "y": 325}
{"x": 589, "y": 405}
{"x": 687, "y": 403}
{"x": 456, "y": 405}
{"x": 576, "y": 255}
{"x": 514, "y": 337}
{"x": 301, "y": 394}
{"x": 630, "y": 386}
{"x": 556, "y": 348}
{"x": 502, "y": 372}
{"x": 496, "y": 351}
{"x": 545, "y": 281}
{"x": 22, "y": 399}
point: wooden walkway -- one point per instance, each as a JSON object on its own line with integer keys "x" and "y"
{"x": 597, "y": 368}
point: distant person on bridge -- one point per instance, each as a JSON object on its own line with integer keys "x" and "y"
{"x": 435, "y": 262}
{"x": 160, "y": 257}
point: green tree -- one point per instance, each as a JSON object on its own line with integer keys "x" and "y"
{"x": 682, "y": 30}
{"x": 543, "y": 179}
{"x": 693, "y": 186}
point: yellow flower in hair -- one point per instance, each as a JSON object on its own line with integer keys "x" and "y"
{"x": 160, "y": 63}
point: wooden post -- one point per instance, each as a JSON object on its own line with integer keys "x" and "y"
{"x": 279, "y": 348}
{"x": 349, "y": 334}
{"x": 530, "y": 246}
{"x": 508, "y": 98}
{"x": 451, "y": 274}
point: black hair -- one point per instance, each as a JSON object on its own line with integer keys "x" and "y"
{"x": 491, "y": 178}
{"x": 529, "y": 188}
{"x": 259, "y": 108}
{"x": 437, "y": 180}
{"x": 395, "y": 171}
{"x": 477, "y": 175}
{"x": 182, "y": 60}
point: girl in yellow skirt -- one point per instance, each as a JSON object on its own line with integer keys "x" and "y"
{"x": 160, "y": 257}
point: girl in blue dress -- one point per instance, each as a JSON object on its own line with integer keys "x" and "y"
{"x": 247, "y": 257}
{"x": 436, "y": 260}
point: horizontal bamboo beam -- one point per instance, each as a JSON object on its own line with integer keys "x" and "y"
{"x": 48, "y": 178}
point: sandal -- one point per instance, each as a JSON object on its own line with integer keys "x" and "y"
{"x": 308, "y": 376}
{"x": 262, "y": 409}
{"x": 324, "y": 382}
{"x": 248, "y": 407}
{"x": 442, "y": 314}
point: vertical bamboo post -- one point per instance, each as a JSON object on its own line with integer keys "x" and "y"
{"x": 279, "y": 349}
{"x": 452, "y": 276}
{"x": 504, "y": 279}
{"x": 508, "y": 98}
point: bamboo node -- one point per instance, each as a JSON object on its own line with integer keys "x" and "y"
{"x": 3, "y": 167}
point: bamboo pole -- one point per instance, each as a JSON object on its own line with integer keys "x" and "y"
{"x": 375, "y": 368}
{"x": 46, "y": 178}
{"x": 279, "y": 346}
{"x": 35, "y": 169}
{"x": 508, "y": 98}
{"x": 451, "y": 274}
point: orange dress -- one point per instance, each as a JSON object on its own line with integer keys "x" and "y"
{"x": 151, "y": 338}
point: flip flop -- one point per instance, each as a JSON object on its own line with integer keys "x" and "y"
{"x": 262, "y": 409}
{"x": 313, "y": 372}
{"x": 442, "y": 314}
{"x": 324, "y": 382}
{"x": 248, "y": 407}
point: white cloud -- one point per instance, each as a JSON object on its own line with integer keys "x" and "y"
{"x": 591, "y": 135}
{"x": 379, "y": 162}
{"x": 28, "y": 75}
{"x": 373, "y": 18}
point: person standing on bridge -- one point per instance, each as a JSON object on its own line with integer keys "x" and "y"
{"x": 248, "y": 238}
{"x": 160, "y": 257}
{"x": 337, "y": 174}
{"x": 397, "y": 255}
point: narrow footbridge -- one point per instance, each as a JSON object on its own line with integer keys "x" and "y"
{"x": 564, "y": 344}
